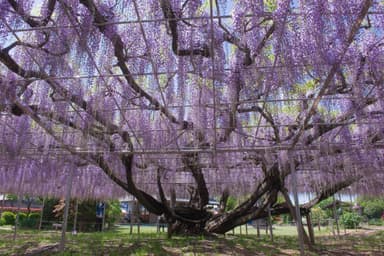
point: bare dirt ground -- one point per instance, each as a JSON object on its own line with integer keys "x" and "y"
{"x": 362, "y": 241}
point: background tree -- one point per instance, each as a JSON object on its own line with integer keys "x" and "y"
{"x": 373, "y": 207}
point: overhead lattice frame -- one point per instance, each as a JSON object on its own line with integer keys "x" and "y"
{"x": 216, "y": 87}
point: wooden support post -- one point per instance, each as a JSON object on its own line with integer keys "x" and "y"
{"x": 246, "y": 228}
{"x": 292, "y": 210}
{"x": 336, "y": 217}
{"x": 330, "y": 223}
{"x": 299, "y": 224}
{"x": 169, "y": 230}
{"x": 310, "y": 228}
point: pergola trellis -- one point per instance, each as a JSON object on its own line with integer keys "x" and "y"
{"x": 240, "y": 136}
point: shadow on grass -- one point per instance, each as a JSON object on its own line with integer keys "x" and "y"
{"x": 121, "y": 243}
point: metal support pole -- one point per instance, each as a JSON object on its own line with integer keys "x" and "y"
{"x": 257, "y": 223}
{"x": 3, "y": 204}
{"x": 270, "y": 222}
{"x": 74, "y": 231}
{"x": 18, "y": 205}
{"x": 66, "y": 209}
{"x": 131, "y": 222}
{"x": 258, "y": 229}
{"x": 104, "y": 213}
{"x": 299, "y": 224}
{"x": 17, "y": 216}
{"x": 138, "y": 224}
{"x": 158, "y": 225}
{"x": 41, "y": 214}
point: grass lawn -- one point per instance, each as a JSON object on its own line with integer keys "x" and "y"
{"x": 120, "y": 242}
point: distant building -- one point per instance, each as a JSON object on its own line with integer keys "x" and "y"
{"x": 358, "y": 209}
{"x": 133, "y": 211}
{"x": 25, "y": 206}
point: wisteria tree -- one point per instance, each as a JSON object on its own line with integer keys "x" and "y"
{"x": 193, "y": 99}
